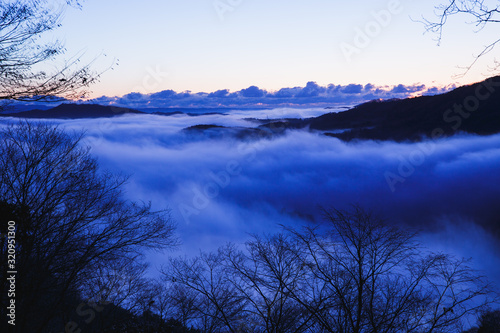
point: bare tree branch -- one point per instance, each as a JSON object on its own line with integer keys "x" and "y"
{"x": 71, "y": 218}
{"x": 25, "y": 63}
{"x": 482, "y": 12}
{"x": 357, "y": 275}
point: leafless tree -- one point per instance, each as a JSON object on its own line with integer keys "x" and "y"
{"x": 244, "y": 291}
{"x": 482, "y": 12}
{"x": 353, "y": 275}
{"x": 267, "y": 275}
{"x": 121, "y": 283}
{"x": 219, "y": 306}
{"x": 177, "y": 302}
{"x": 28, "y": 70}
{"x": 377, "y": 278}
{"x": 71, "y": 218}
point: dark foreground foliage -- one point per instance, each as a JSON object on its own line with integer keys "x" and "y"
{"x": 80, "y": 248}
{"x": 73, "y": 228}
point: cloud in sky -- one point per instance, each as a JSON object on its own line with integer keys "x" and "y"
{"x": 310, "y": 95}
{"x": 220, "y": 188}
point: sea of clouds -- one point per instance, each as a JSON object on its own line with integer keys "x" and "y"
{"x": 221, "y": 189}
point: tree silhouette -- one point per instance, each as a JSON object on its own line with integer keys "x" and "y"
{"x": 71, "y": 220}
{"x": 482, "y": 12}
{"x": 355, "y": 275}
{"x": 489, "y": 322}
{"x": 24, "y": 71}
{"x": 377, "y": 278}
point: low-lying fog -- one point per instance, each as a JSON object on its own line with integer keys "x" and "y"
{"x": 221, "y": 189}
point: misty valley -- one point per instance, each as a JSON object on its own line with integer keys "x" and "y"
{"x": 231, "y": 166}
{"x": 247, "y": 187}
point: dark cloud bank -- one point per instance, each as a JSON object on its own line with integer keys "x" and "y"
{"x": 310, "y": 95}
{"x": 220, "y": 189}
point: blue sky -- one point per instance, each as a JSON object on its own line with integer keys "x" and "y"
{"x": 208, "y": 45}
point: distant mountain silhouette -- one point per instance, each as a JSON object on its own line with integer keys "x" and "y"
{"x": 75, "y": 111}
{"x": 469, "y": 109}
{"x": 473, "y": 109}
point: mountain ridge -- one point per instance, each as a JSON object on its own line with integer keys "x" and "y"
{"x": 74, "y": 111}
{"x": 473, "y": 109}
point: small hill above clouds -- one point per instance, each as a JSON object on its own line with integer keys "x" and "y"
{"x": 75, "y": 111}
